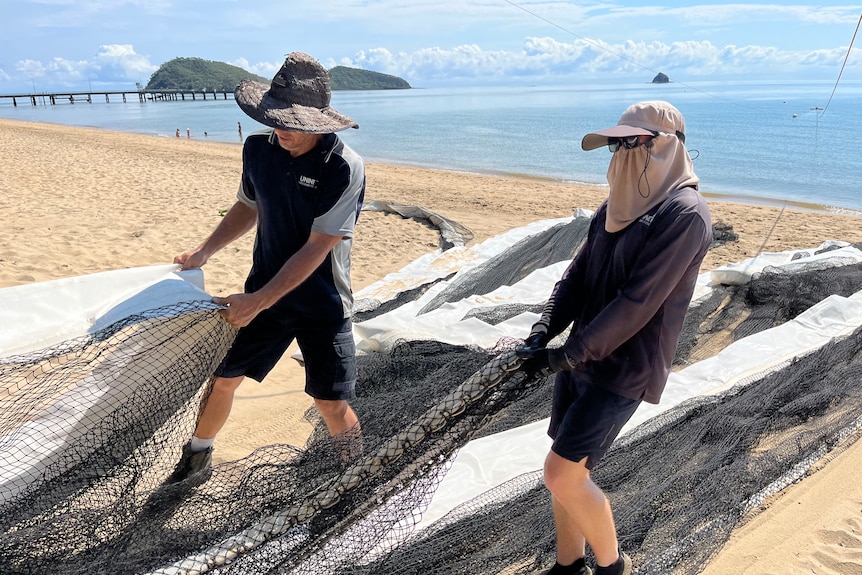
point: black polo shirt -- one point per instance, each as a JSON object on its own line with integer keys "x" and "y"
{"x": 320, "y": 191}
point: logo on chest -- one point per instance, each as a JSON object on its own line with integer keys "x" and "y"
{"x": 307, "y": 182}
{"x": 647, "y": 219}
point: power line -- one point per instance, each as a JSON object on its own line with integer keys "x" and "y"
{"x": 846, "y": 57}
{"x": 587, "y": 40}
{"x": 597, "y": 45}
{"x": 620, "y": 56}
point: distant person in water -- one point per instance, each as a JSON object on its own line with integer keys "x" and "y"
{"x": 302, "y": 189}
{"x": 625, "y": 295}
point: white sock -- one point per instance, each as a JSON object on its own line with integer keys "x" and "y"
{"x": 197, "y": 444}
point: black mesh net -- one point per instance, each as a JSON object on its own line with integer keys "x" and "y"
{"x": 557, "y": 243}
{"x": 92, "y": 427}
{"x": 678, "y": 484}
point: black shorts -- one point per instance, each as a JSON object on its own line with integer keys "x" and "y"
{"x": 328, "y": 353}
{"x": 585, "y": 418}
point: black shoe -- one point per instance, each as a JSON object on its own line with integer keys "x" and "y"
{"x": 627, "y": 563}
{"x": 196, "y": 464}
{"x": 622, "y": 566}
{"x": 577, "y": 568}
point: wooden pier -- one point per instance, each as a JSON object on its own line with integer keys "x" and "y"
{"x": 54, "y": 98}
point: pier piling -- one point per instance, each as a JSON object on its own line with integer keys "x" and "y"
{"x": 143, "y": 95}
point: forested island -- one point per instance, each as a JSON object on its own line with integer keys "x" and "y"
{"x": 197, "y": 74}
{"x": 344, "y": 78}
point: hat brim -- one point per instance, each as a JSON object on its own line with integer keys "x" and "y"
{"x": 255, "y": 100}
{"x": 598, "y": 139}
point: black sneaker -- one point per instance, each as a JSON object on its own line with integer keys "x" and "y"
{"x": 197, "y": 464}
{"x": 580, "y": 569}
{"x": 627, "y": 563}
{"x": 622, "y": 566}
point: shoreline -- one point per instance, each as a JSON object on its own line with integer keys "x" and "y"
{"x": 773, "y": 203}
{"x": 168, "y": 180}
{"x": 715, "y": 195}
{"x": 724, "y": 197}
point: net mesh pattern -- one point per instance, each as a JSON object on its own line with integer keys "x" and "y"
{"x": 557, "y": 243}
{"x": 678, "y": 485}
{"x": 92, "y": 427}
{"x": 368, "y": 308}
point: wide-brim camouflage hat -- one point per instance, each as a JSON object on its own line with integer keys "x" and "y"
{"x": 297, "y": 99}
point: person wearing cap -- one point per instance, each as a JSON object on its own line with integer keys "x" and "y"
{"x": 624, "y": 295}
{"x": 302, "y": 189}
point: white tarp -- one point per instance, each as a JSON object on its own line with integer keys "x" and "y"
{"x": 439, "y": 264}
{"x": 448, "y": 324}
{"x": 490, "y": 461}
{"x": 840, "y": 253}
{"x": 40, "y": 315}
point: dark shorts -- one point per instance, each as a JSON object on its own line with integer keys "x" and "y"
{"x": 585, "y": 419}
{"x": 328, "y": 353}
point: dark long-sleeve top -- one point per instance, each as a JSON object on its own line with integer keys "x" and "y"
{"x": 626, "y": 294}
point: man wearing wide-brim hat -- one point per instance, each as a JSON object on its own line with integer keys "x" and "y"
{"x": 302, "y": 188}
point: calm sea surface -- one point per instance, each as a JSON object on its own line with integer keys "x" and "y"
{"x": 755, "y": 142}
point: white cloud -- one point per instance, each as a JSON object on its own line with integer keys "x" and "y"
{"x": 57, "y": 70}
{"x": 549, "y": 59}
{"x": 539, "y": 59}
{"x": 113, "y": 64}
{"x": 263, "y": 69}
{"x": 123, "y": 59}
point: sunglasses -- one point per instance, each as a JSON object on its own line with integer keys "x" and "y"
{"x": 628, "y": 143}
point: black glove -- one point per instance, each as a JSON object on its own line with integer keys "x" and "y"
{"x": 543, "y": 362}
{"x": 536, "y": 342}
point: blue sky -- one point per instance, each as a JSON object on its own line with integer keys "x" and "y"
{"x": 77, "y": 44}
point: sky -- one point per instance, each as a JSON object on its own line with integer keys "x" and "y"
{"x": 50, "y": 45}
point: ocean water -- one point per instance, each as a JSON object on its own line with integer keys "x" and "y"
{"x": 755, "y": 142}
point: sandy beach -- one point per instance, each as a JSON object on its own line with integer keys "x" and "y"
{"x": 77, "y": 201}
